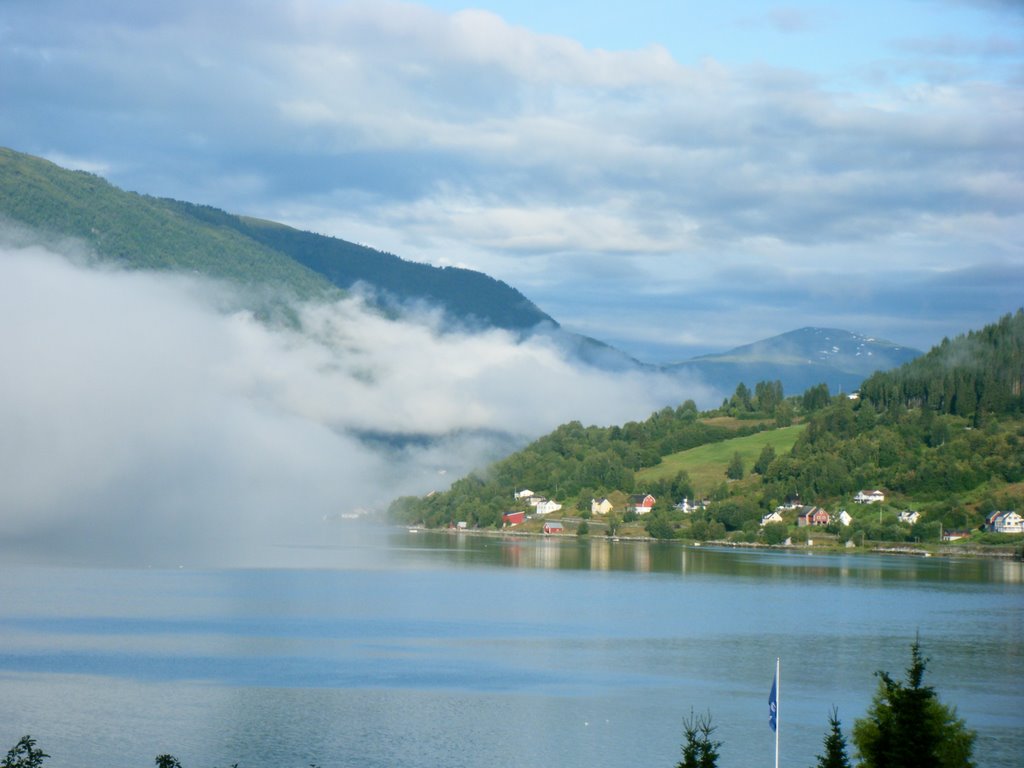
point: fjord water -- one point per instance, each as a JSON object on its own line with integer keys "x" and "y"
{"x": 381, "y": 647}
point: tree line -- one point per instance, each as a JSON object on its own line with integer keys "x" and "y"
{"x": 572, "y": 462}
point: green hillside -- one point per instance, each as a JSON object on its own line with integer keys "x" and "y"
{"x": 706, "y": 464}
{"x": 142, "y": 232}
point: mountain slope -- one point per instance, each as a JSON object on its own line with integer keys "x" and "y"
{"x": 468, "y": 296}
{"x": 139, "y": 231}
{"x": 800, "y": 359}
{"x": 973, "y": 375}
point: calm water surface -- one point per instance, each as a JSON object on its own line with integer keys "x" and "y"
{"x": 379, "y": 647}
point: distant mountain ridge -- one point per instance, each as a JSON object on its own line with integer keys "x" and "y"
{"x": 800, "y": 359}
{"x": 142, "y": 232}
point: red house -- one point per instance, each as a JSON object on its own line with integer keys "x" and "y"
{"x": 553, "y": 527}
{"x": 812, "y": 516}
{"x": 514, "y": 518}
{"x": 641, "y": 503}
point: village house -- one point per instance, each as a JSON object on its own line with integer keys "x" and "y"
{"x": 553, "y": 527}
{"x": 812, "y": 516}
{"x": 514, "y": 518}
{"x": 524, "y": 494}
{"x": 791, "y": 503}
{"x": 600, "y": 506}
{"x": 909, "y": 516}
{"x": 686, "y": 506}
{"x": 641, "y": 503}
{"x": 547, "y": 506}
{"x": 1005, "y": 522}
{"x": 869, "y": 497}
{"x": 771, "y": 517}
{"x": 954, "y": 535}
{"x": 845, "y": 517}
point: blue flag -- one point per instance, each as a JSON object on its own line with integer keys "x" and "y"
{"x": 773, "y": 707}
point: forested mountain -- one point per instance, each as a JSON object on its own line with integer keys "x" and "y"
{"x": 139, "y": 231}
{"x": 950, "y": 457}
{"x": 800, "y": 359}
{"x": 977, "y": 374}
{"x": 468, "y": 296}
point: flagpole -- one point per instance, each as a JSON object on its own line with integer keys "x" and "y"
{"x": 778, "y": 692}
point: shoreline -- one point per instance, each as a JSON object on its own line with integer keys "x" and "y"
{"x": 881, "y": 548}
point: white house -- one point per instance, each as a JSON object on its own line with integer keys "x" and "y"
{"x": 771, "y": 517}
{"x": 845, "y": 517}
{"x": 955, "y": 535}
{"x": 546, "y": 507}
{"x": 524, "y": 494}
{"x": 909, "y": 516}
{"x": 1005, "y": 522}
{"x": 688, "y": 506}
{"x": 600, "y": 506}
{"x": 869, "y": 497}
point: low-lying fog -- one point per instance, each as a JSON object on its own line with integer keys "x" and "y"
{"x": 148, "y": 420}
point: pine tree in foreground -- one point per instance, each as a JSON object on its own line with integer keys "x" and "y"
{"x": 835, "y": 745}
{"x": 908, "y": 727}
{"x": 699, "y": 751}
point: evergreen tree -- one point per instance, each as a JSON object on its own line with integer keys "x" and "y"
{"x": 699, "y": 751}
{"x": 908, "y": 727}
{"x": 835, "y": 745}
{"x": 764, "y": 460}
{"x": 768, "y": 395}
{"x": 735, "y": 469}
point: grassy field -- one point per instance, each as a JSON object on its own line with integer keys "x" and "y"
{"x": 706, "y": 464}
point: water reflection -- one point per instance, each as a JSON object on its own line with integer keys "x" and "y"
{"x": 603, "y": 554}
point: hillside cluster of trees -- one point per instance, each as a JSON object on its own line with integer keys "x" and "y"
{"x": 976, "y": 375}
{"x": 953, "y": 460}
{"x": 574, "y": 463}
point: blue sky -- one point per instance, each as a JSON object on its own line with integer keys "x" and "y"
{"x": 674, "y": 178}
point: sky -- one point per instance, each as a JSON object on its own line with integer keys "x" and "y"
{"x": 673, "y": 178}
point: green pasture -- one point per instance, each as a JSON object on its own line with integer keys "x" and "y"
{"x": 706, "y": 464}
